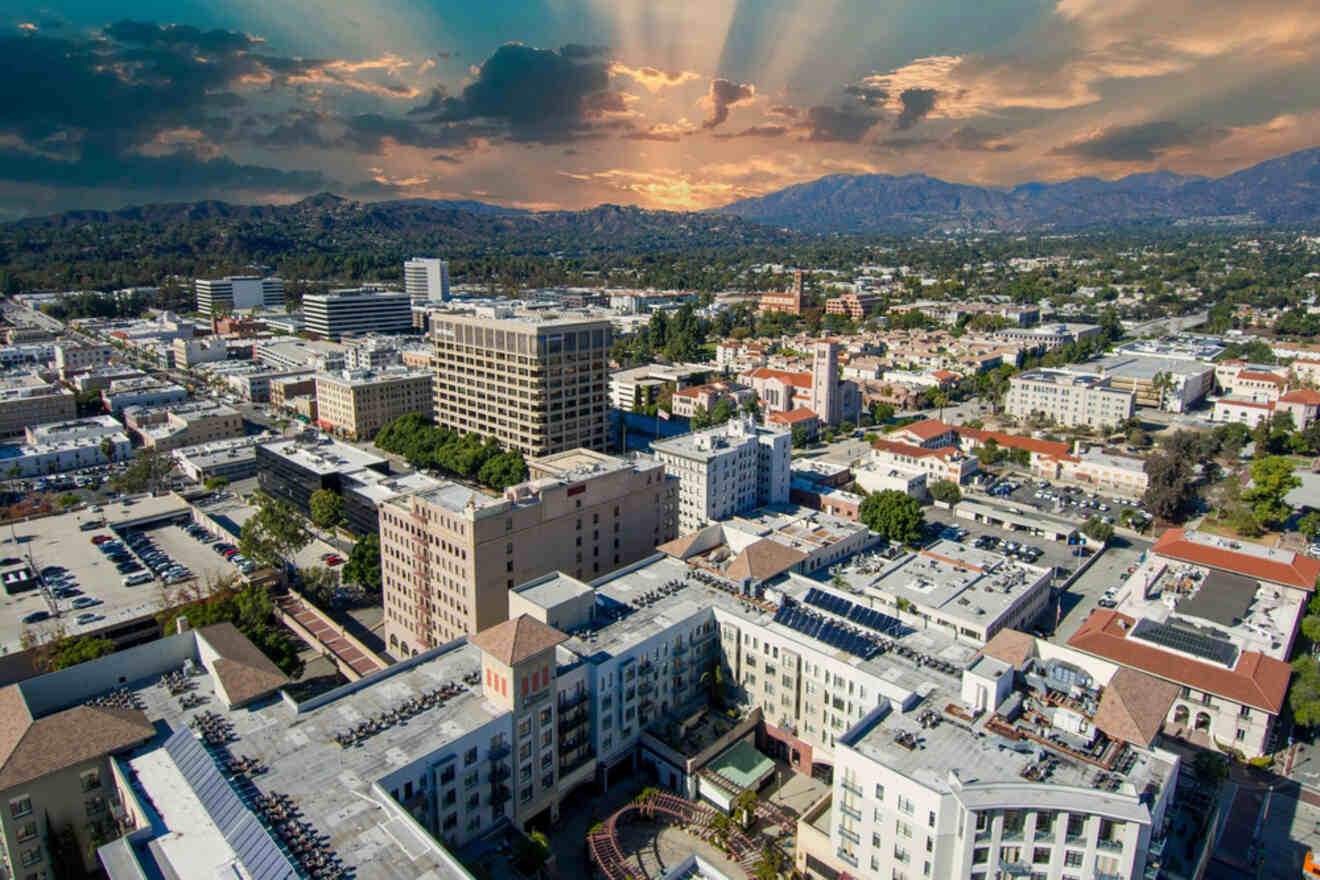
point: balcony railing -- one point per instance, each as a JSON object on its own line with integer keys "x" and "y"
{"x": 846, "y": 856}
{"x": 849, "y": 835}
{"x": 568, "y": 701}
{"x": 573, "y": 719}
{"x": 848, "y": 786}
{"x": 1109, "y": 844}
{"x": 849, "y": 811}
{"x": 498, "y": 751}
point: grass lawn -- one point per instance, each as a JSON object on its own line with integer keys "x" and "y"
{"x": 1215, "y": 527}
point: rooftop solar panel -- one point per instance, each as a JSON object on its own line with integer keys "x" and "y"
{"x": 1185, "y": 641}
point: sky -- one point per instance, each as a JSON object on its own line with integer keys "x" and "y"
{"x": 664, "y": 104}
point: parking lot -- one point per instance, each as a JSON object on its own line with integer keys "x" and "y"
{"x": 204, "y": 562}
{"x": 1068, "y": 502}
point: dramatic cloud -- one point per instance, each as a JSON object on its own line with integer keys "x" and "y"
{"x": 975, "y": 140}
{"x": 542, "y": 95}
{"x": 1143, "y": 142}
{"x": 917, "y": 103}
{"x": 157, "y": 176}
{"x": 870, "y": 95}
{"x": 831, "y": 124}
{"x": 763, "y": 131}
{"x": 653, "y": 79}
{"x": 724, "y": 94}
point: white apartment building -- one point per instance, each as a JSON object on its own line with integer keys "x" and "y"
{"x": 426, "y": 279}
{"x": 239, "y": 293}
{"x": 1068, "y": 399}
{"x": 961, "y": 787}
{"x": 725, "y": 470}
{"x": 943, "y": 463}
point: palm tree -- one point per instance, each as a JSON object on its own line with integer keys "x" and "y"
{"x": 940, "y": 398}
{"x": 1162, "y": 382}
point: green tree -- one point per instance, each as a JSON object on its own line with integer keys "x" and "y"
{"x": 79, "y": 649}
{"x": 363, "y": 566}
{"x": 1304, "y": 691}
{"x": 723, "y": 410}
{"x": 1272, "y": 479}
{"x": 751, "y": 407}
{"x": 881, "y": 413}
{"x": 1309, "y": 525}
{"x": 107, "y": 449}
{"x": 700, "y": 419}
{"x": 275, "y": 533}
{"x": 800, "y": 436}
{"x": 893, "y": 514}
{"x": 214, "y": 483}
{"x": 503, "y": 470}
{"x": 1168, "y": 484}
{"x": 946, "y": 491}
{"x": 326, "y": 507}
{"x": 147, "y": 473}
{"x": 1098, "y": 530}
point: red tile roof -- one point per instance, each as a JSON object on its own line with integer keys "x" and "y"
{"x": 517, "y": 640}
{"x": 1301, "y": 573}
{"x": 927, "y": 428}
{"x": 1256, "y": 680}
{"x": 944, "y": 374}
{"x": 1014, "y": 441}
{"x": 799, "y": 380}
{"x": 792, "y": 417}
{"x": 915, "y": 451}
{"x": 1302, "y": 395}
{"x": 1262, "y": 377}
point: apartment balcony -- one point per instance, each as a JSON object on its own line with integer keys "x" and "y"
{"x": 574, "y": 718}
{"x": 646, "y": 667}
{"x": 850, "y": 812}
{"x": 851, "y": 787}
{"x": 499, "y": 772}
{"x": 645, "y": 687}
{"x": 847, "y": 857}
{"x": 498, "y": 751}
{"x": 568, "y": 767}
{"x": 849, "y": 835}
{"x": 1111, "y": 845}
{"x": 498, "y": 795}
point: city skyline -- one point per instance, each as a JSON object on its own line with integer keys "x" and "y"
{"x": 573, "y": 103}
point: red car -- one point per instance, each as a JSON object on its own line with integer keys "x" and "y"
{"x": 333, "y": 560}
{"x": 230, "y": 553}
{"x": 100, "y": 539}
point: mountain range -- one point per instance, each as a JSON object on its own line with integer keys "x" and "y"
{"x": 1281, "y": 190}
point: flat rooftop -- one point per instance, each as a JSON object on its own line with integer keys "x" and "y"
{"x": 379, "y": 487}
{"x": 581, "y": 464}
{"x": 365, "y": 378}
{"x": 638, "y": 623}
{"x": 332, "y": 786}
{"x": 964, "y": 583}
{"x": 711, "y": 442}
{"x": 58, "y": 540}
{"x": 325, "y": 456}
{"x": 1145, "y": 367}
{"x": 1227, "y": 606}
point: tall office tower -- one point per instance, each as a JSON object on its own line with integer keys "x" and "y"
{"x": 426, "y": 279}
{"x": 536, "y": 383}
{"x": 238, "y": 293}
{"x": 825, "y": 392}
{"x": 452, "y": 553}
{"x": 339, "y": 312}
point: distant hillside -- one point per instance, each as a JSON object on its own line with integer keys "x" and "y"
{"x": 1282, "y": 190}
{"x": 325, "y": 233}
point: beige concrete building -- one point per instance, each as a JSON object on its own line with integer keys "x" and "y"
{"x": 536, "y": 383}
{"x": 185, "y": 424}
{"x": 30, "y": 400}
{"x": 1068, "y": 399}
{"x": 358, "y": 403}
{"x": 450, "y": 555}
{"x": 284, "y": 389}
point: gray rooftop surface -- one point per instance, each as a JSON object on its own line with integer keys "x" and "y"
{"x": 331, "y": 785}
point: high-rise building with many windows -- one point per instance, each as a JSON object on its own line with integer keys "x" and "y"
{"x": 426, "y": 279}
{"x": 238, "y": 293}
{"x": 342, "y": 312}
{"x": 537, "y": 384}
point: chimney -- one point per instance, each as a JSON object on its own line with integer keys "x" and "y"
{"x": 181, "y": 624}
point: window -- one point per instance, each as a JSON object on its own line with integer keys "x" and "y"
{"x": 1040, "y": 855}
{"x": 905, "y": 806}
{"x": 91, "y": 779}
{"x": 27, "y": 831}
{"x": 20, "y": 806}
{"x": 470, "y": 757}
{"x": 471, "y": 779}
{"x": 903, "y": 828}
{"x": 879, "y": 792}
{"x": 525, "y": 727}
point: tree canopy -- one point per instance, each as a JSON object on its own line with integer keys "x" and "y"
{"x": 363, "y": 566}
{"x": 275, "y": 533}
{"x": 893, "y": 514}
{"x": 429, "y": 446}
{"x": 1272, "y": 479}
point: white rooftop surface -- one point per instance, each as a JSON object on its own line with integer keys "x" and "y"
{"x": 979, "y": 755}
{"x": 711, "y": 442}
{"x": 980, "y": 581}
{"x": 1110, "y": 460}
{"x": 325, "y": 456}
{"x": 1268, "y": 626}
{"x": 639, "y": 624}
{"x": 380, "y": 376}
{"x": 194, "y": 845}
{"x": 1142, "y": 366}
{"x": 379, "y": 487}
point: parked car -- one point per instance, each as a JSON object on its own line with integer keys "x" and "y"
{"x": 36, "y": 617}
{"x": 85, "y": 602}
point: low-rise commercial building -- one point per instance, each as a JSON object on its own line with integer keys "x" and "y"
{"x": 291, "y": 355}
{"x": 74, "y": 357}
{"x": 56, "y": 447}
{"x": 233, "y": 459}
{"x": 1170, "y": 384}
{"x": 1048, "y": 337}
{"x": 143, "y": 392}
{"x": 358, "y": 403}
{"x": 856, "y": 306}
{"x": 706, "y": 397}
{"x": 30, "y": 400}
{"x": 199, "y": 350}
{"x": 638, "y": 387}
{"x": 187, "y": 424}
{"x": 294, "y": 469}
